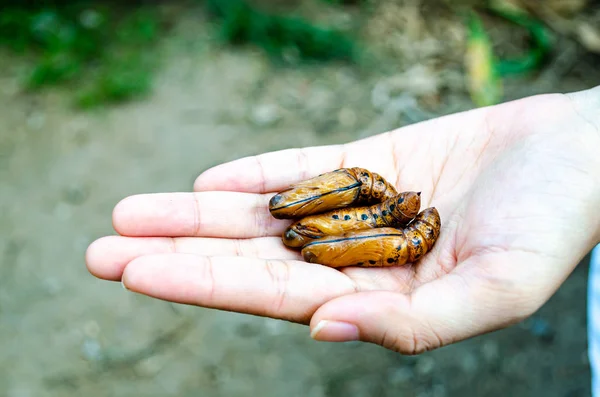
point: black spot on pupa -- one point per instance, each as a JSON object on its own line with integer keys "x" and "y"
{"x": 275, "y": 200}
{"x": 400, "y": 200}
{"x": 384, "y": 213}
{"x": 372, "y": 262}
{"x": 346, "y": 217}
{"x": 364, "y": 217}
{"x": 390, "y": 260}
{"x": 393, "y": 207}
{"x": 309, "y": 257}
{"x": 290, "y": 235}
{"x": 335, "y": 217}
{"x": 375, "y": 216}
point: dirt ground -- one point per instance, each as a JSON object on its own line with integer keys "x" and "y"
{"x": 62, "y": 332}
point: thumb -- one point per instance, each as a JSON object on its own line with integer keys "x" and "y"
{"x": 442, "y": 312}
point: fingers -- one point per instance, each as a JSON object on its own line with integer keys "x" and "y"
{"x": 107, "y": 257}
{"x": 271, "y": 172}
{"x": 458, "y": 306}
{"x": 283, "y": 289}
{"x": 206, "y": 214}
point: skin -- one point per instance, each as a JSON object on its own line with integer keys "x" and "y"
{"x": 517, "y": 187}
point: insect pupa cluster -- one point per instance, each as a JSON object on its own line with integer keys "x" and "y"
{"x": 354, "y": 217}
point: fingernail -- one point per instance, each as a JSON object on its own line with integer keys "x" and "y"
{"x": 335, "y": 331}
{"x": 124, "y": 286}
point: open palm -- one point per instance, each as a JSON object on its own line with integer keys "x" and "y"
{"x": 516, "y": 185}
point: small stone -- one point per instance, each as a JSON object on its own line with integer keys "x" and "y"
{"x": 417, "y": 82}
{"x": 36, "y": 120}
{"x": 320, "y": 99}
{"x": 380, "y": 95}
{"x": 91, "y": 349}
{"x": 265, "y": 115}
{"x": 399, "y": 376}
{"x": 468, "y": 363}
{"x": 589, "y": 36}
{"x": 490, "y": 351}
{"x": 425, "y": 365}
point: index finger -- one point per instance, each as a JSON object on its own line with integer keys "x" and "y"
{"x": 272, "y": 171}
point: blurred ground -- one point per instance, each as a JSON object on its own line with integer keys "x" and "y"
{"x": 62, "y": 332}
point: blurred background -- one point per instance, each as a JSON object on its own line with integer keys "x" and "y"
{"x": 101, "y": 100}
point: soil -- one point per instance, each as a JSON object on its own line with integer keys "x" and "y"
{"x": 63, "y": 332}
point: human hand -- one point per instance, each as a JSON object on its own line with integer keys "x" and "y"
{"x": 517, "y": 186}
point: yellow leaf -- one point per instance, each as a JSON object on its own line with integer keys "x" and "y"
{"x": 484, "y": 84}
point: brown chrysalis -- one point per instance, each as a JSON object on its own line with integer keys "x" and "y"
{"x": 378, "y": 247}
{"x": 396, "y": 211}
{"x": 337, "y": 189}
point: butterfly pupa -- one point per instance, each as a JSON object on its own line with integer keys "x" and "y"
{"x": 396, "y": 211}
{"x": 379, "y": 247}
{"x": 332, "y": 190}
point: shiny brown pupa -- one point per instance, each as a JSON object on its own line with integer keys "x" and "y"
{"x": 396, "y": 211}
{"x": 337, "y": 189}
{"x": 379, "y": 247}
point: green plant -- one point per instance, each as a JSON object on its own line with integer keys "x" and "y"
{"x": 99, "y": 47}
{"x": 242, "y": 23}
{"x": 105, "y": 49}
